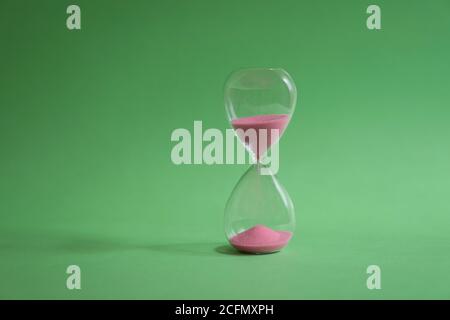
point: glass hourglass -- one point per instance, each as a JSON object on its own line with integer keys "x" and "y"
{"x": 259, "y": 215}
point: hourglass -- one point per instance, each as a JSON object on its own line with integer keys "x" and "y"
{"x": 259, "y": 215}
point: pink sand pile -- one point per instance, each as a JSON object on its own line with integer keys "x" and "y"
{"x": 260, "y": 239}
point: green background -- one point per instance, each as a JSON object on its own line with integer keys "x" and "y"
{"x": 86, "y": 176}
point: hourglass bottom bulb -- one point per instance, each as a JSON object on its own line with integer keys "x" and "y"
{"x": 260, "y": 239}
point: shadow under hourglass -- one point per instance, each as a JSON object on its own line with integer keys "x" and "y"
{"x": 57, "y": 241}
{"x": 188, "y": 248}
{"x": 197, "y": 249}
{"x": 229, "y": 250}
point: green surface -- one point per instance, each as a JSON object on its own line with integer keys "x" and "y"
{"x": 85, "y": 170}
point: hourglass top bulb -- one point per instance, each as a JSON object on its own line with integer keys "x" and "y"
{"x": 262, "y": 100}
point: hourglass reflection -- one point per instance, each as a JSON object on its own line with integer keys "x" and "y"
{"x": 259, "y": 215}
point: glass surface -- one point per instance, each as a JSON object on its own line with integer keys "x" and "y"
{"x": 259, "y": 215}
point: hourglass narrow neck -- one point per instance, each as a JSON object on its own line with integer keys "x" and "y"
{"x": 258, "y": 166}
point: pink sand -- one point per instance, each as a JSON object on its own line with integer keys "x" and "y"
{"x": 268, "y": 122}
{"x": 260, "y": 239}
